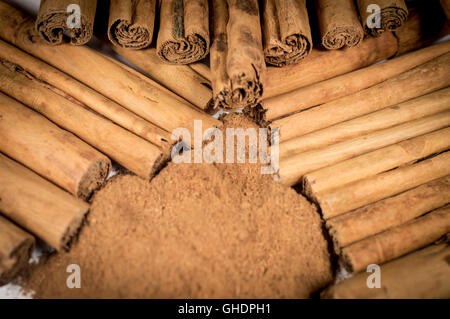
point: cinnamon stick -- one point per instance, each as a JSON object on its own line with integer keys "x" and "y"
{"x": 421, "y": 274}
{"x": 326, "y": 64}
{"x": 221, "y": 83}
{"x": 145, "y": 78}
{"x": 423, "y": 106}
{"x": 54, "y": 16}
{"x": 347, "y": 84}
{"x": 287, "y": 34}
{"x": 423, "y": 79}
{"x": 202, "y": 69}
{"x": 339, "y": 24}
{"x": 183, "y": 35}
{"x": 15, "y": 250}
{"x": 180, "y": 79}
{"x": 131, "y": 23}
{"x": 390, "y": 212}
{"x": 397, "y": 241}
{"x": 89, "y": 97}
{"x": 293, "y": 168}
{"x": 424, "y": 26}
{"x": 129, "y": 150}
{"x": 376, "y": 162}
{"x": 237, "y": 59}
{"x": 39, "y": 206}
{"x": 102, "y": 75}
{"x": 392, "y": 15}
{"x": 358, "y": 194}
{"x": 50, "y": 151}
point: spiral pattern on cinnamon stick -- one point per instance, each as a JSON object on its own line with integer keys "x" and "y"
{"x": 391, "y": 20}
{"x": 392, "y": 15}
{"x": 294, "y": 48}
{"x": 131, "y": 23}
{"x": 184, "y": 51}
{"x": 342, "y": 36}
{"x": 338, "y": 23}
{"x": 184, "y": 31}
{"x": 287, "y": 34}
{"x": 129, "y": 36}
{"x": 53, "y": 17}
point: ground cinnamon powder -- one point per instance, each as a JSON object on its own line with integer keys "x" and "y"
{"x": 194, "y": 231}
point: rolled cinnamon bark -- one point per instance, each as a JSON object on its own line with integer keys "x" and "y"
{"x": 421, "y": 29}
{"x": 340, "y": 86}
{"x": 423, "y": 106}
{"x": 392, "y": 15}
{"x": 38, "y": 205}
{"x": 50, "y": 151}
{"x": 129, "y": 150}
{"x": 390, "y": 212}
{"x": 237, "y": 59}
{"x": 221, "y": 83}
{"x": 397, "y": 241}
{"x": 423, "y": 79}
{"x": 341, "y": 200}
{"x": 180, "y": 79}
{"x": 97, "y": 102}
{"x": 339, "y": 24}
{"x": 293, "y": 168}
{"x": 376, "y": 162}
{"x": 287, "y": 34}
{"x": 131, "y": 23}
{"x": 101, "y": 74}
{"x": 15, "y": 250}
{"x": 183, "y": 35}
{"x": 421, "y": 274}
{"x": 55, "y": 15}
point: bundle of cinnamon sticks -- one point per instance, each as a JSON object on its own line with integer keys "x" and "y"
{"x": 370, "y": 146}
{"x": 63, "y": 122}
{"x": 369, "y": 168}
{"x": 368, "y": 142}
{"x": 242, "y": 37}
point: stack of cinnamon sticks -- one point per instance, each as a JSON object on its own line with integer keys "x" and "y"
{"x": 422, "y": 274}
{"x": 369, "y": 142}
{"x": 242, "y": 36}
{"x": 372, "y": 149}
{"x": 66, "y": 112}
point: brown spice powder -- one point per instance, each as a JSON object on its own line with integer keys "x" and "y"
{"x": 194, "y": 231}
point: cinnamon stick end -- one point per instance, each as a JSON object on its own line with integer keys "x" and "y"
{"x": 12, "y": 265}
{"x": 73, "y": 229}
{"x": 335, "y": 237}
{"x": 139, "y": 38}
{"x": 94, "y": 178}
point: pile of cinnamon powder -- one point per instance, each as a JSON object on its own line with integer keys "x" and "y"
{"x": 194, "y": 231}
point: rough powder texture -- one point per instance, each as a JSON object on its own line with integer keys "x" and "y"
{"x": 195, "y": 231}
